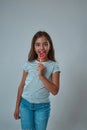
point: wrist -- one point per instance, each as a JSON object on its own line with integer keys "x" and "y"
{"x": 17, "y": 106}
{"x": 41, "y": 76}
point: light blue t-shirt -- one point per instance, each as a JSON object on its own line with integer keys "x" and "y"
{"x": 34, "y": 90}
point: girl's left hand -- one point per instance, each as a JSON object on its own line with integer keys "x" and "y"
{"x": 41, "y": 69}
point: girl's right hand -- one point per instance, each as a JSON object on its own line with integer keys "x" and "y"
{"x": 41, "y": 69}
{"x": 16, "y": 114}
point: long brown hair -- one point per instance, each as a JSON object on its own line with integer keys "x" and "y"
{"x": 32, "y": 54}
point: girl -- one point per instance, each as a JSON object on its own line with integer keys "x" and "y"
{"x": 41, "y": 76}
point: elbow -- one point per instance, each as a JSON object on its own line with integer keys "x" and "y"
{"x": 55, "y": 92}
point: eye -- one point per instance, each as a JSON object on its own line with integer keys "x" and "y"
{"x": 37, "y": 44}
{"x": 45, "y": 43}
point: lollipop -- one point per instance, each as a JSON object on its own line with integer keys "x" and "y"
{"x": 42, "y": 55}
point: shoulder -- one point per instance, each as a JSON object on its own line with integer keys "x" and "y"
{"x": 29, "y": 62}
{"x": 27, "y": 65}
{"x": 55, "y": 66}
{"x": 53, "y": 63}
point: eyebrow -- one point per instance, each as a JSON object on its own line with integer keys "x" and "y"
{"x": 40, "y": 42}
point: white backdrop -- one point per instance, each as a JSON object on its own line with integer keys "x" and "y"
{"x": 66, "y": 22}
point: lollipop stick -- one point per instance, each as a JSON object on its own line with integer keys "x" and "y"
{"x": 42, "y": 55}
{"x": 40, "y": 60}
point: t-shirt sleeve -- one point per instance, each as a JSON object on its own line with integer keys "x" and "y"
{"x": 56, "y": 67}
{"x": 26, "y": 66}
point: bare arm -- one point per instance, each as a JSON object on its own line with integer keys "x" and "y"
{"x": 53, "y": 85}
{"x": 20, "y": 90}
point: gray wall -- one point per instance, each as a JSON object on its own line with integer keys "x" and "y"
{"x": 66, "y": 22}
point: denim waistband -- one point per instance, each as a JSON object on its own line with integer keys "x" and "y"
{"x": 34, "y": 106}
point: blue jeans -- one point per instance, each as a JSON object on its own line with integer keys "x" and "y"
{"x": 34, "y": 116}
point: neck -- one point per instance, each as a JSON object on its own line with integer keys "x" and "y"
{"x": 42, "y": 60}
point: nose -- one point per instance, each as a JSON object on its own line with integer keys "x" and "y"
{"x": 41, "y": 46}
